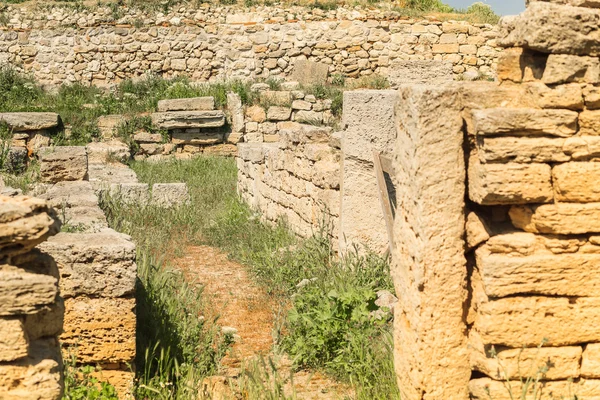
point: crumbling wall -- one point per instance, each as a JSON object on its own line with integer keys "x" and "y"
{"x": 31, "y": 315}
{"x": 99, "y": 47}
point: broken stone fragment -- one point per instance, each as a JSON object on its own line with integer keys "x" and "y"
{"x": 63, "y": 163}
{"x": 476, "y": 230}
{"x": 188, "y": 119}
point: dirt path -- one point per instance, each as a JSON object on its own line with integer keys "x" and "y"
{"x": 243, "y": 306}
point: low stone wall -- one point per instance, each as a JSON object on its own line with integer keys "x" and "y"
{"x": 64, "y": 45}
{"x": 31, "y": 316}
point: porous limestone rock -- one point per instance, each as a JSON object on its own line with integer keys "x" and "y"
{"x": 476, "y": 229}
{"x": 188, "y": 119}
{"x": 30, "y": 121}
{"x": 14, "y": 343}
{"x": 561, "y": 68}
{"x": 511, "y": 183}
{"x": 576, "y": 182}
{"x": 169, "y": 194}
{"x": 100, "y": 264}
{"x": 486, "y": 388}
{"x": 197, "y": 138}
{"x": 46, "y": 322}
{"x": 522, "y": 122}
{"x": 309, "y": 72}
{"x": 131, "y": 193}
{"x": 589, "y": 123}
{"x": 559, "y": 218}
{"x": 189, "y": 104}
{"x": 100, "y": 329}
{"x": 108, "y": 124}
{"x": 590, "y": 363}
{"x": 276, "y": 113}
{"x": 103, "y": 152}
{"x": 508, "y": 149}
{"x": 519, "y": 65}
{"x": 23, "y": 292}
{"x": 582, "y": 147}
{"x": 562, "y": 96}
{"x": 63, "y": 163}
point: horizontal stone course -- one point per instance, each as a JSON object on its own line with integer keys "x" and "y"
{"x": 188, "y": 119}
{"x": 522, "y": 121}
{"x": 559, "y": 218}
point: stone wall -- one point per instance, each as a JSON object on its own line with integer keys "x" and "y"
{"x": 498, "y": 286}
{"x": 31, "y": 316}
{"x": 105, "y": 46}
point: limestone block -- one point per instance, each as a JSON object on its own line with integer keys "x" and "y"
{"x": 561, "y": 68}
{"x": 577, "y": 182}
{"x": 512, "y": 183}
{"x": 476, "y": 229}
{"x": 63, "y": 163}
{"x": 560, "y": 362}
{"x": 131, "y": 193}
{"x": 23, "y": 292}
{"x": 520, "y": 65}
{"x": 542, "y": 272}
{"x": 559, "y": 218}
{"x": 38, "y": 376}
{"x": 252, "y": 152}
{"x": 327, "y": 174}
{"x": 591, "y": 94}
{"x": 169, "y": 194}
{"x": 590, "y": 363}
{"x": 276, "y": 113}
{"x": 430, "y": 174}
{"x": 528, "y": 321}
{"x": 589, "y": 123}
{"x": 37, "y": 140}
{"x": 98, "y": 264}
{"x": 225, "y": 149}
{"x": 103, "y": 152}
{"x": 369, "y": 119}
{"x": 582, "y": 147}
{"x": 147, "y": 137}
{"x": 309, "y": 72}
{"x": 301, "y": 105}
{"x": 419, "y": 71}
{"x": 236, "y": 112}
{"x": 485, "y": 389}
{"x": 276, "y": 97}
{"x": 309, "y": 117}
{"x": 103, "y": 175}
{"x": 24, "y": 223}
{"x": 108, "y": 124}
{"x": 555, "y": 28}
{"x": 256, "y": 114}
{"x": 522, "y": 121}
{"x": 563, "y": 96}
{"x": 30, "y": 121}
{"x": 189, "y": 104}
{"x": 121, "y": 380}
{"x": 507, "y": 149}
{"x": 188, "y": 119}
{"x": 14, "y": 343}
{"x": 574, "y": 3}
{"x": 100, "y": 330}
{"x": 198, "y": 138}
{"x": 46, "y": 322}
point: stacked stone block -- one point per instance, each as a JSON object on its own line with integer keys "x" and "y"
{"x": 31, "y": 315}
{"x": 296, "y": 178}
{"x": 217, "y": 42}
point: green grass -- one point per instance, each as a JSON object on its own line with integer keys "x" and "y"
{"x": 329, "y": 325}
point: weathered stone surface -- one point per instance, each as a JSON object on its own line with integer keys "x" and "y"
{"x": 121, "y": 380}
{"x": 236, "y": 112}
{"x": 102, "y": 176}
{"x": 512, "y": 183}
{"x": 508, "y": 149}
{"x": 590, "y": 363}
{"x": 131, "y": 193}
{"x": 94, "y": 264}
{"x": 104, "y": 152}
{"x": 574, "y": 3}
{"x": 541, "y": 272}
{"x": 476, "y": 229}
{"x": 520, "y": 65}
{"x": 256, "y": 114}
{"x": 562, "y": 68}
{"x": 189, "y": 104}
{"x": 188, "y": 119}
{"x": 562, "y": 96}
{"x": 309, "y": 72}
{"x": 576, "y": 182}
{"x": 589, "y": 123}
{"x": 199, "y": 138}
{"x": 38, "y": 140}
{"x": 147, "y": 137}
{"x": 502, "y": 363}
{"x": 24, "y": 223}
{"x": 419, "y": 71}
{"x": 14, "y": 343}
{"x": 276, "y": 113}
{"x": 100, "y": 330}
{"x": 554, "y": 28}
{"x": 528, "y": 321}
{"x": 582, "y": 147}
{"x": 485, "y": 388}
{"x": 23, "y": 292}
{"x": 428, "y": 318}
{"x": 169, "y": 194}
{"x": 522, "y": 121}
{"x": 591, "y": 95}
{"x": 38, "y": 376}
{"x": 63, "y": 163}
{"x": 560, "y": 218}
{"x": 46, "y": 322}
{"x": 30, "y": 121}
{"x": 108, "y": 124}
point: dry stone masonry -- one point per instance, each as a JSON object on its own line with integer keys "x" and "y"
{"x": 31, "y": 316}
{"x": 60, "y": 44}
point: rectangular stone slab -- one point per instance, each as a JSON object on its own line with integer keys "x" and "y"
{"x": 556, "y": 28}
{"x": 590, "y": 363}
{"x": 521, "y": 149}
{"x": 528, "y": 321}
{"x": 568, "y": 274}
{"x": 189, "y": 104}
{"x": 486, "y": 389}
{"x": 577, "y": 182}
{"x": 63, "y": 163}
{"x": 511, "y": 183}
{"x": 14, "y": 342}
{"x": 30, "y": 121}
{"x": 98, "y": 264}
{"x": 201, "y": 138}
{"x": 188, "y": 119}
{"x": 22, "y": 292}
{"x": 522, "y": 122}
{"x": 100, "y": 330}
{"x": 559, "y": 218}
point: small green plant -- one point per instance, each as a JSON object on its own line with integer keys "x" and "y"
{"x": 260, "y": 379}
{"x": 80, "y": 384}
